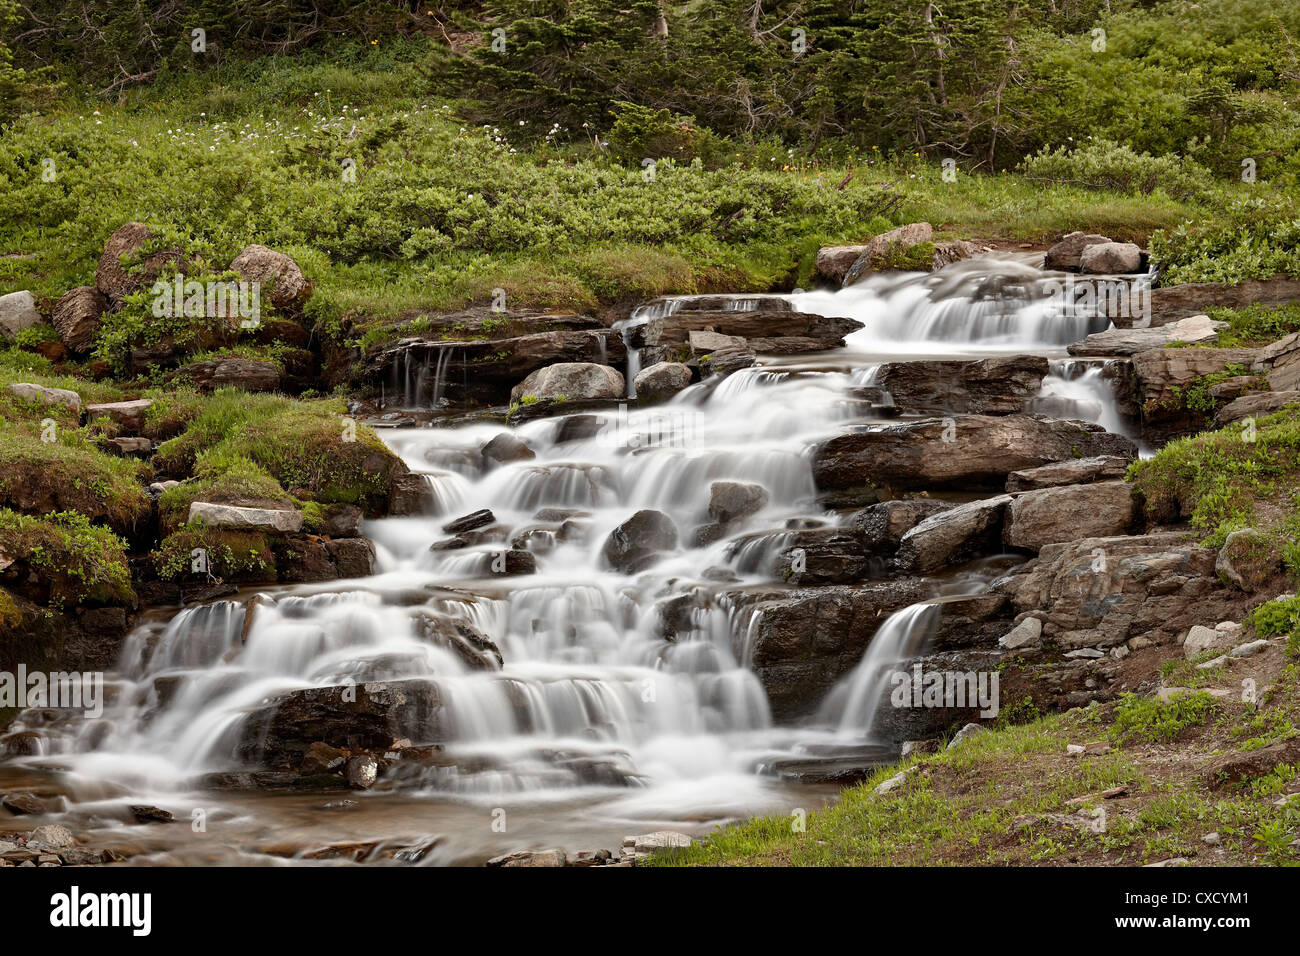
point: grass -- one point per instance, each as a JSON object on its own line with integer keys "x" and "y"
{"x": 77, "y": 563}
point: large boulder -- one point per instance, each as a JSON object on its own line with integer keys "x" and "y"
{"x": 77, "y": 317}
{"x": 1174, "y": 302}
{"x": 767, "y": 330}
{"x": 634, "y": 544}
{"x": 1248, "y": 559}
{"x": 123, "y": 268}
{"x": 505, "y": 448}
{"x": 893, "y": 241}
{"x": 1194, "y": 330}
{"x": 571, "y": 380}
{"x": 1282, "y": 360}
{"x": 17, "y": 312}
{"x": 1038, "y": 518}
{"x": 1065, "y": 255}
{"x": 1101, "y": 592}
{"x": 963, "y": 452}
{"x": 953, "y": 536}
{"x": 1074, "y": 471}
{"x": 660, "y": 382}
{"x": 1110, "y": 258}
{"x": 213, "y": 515}
{"x": 883, "y": 525}
{"x": 1163, "y": 377}
{"x": 834, "y": 262}
{"x": 993, "y": 386}
{"x": 733, "y": 500}
{"x": 251, "y": 375}
{"x": 277, "y": 275}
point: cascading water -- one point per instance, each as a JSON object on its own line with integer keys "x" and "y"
{"x": 609, "y": 710}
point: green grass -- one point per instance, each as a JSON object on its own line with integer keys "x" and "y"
{"x": 78, "y": 563}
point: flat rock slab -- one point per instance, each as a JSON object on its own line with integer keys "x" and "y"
{"x": 1124, "y": 342}
{"x": 129, "y": 415}
{"x": 214, "y": 515}
{"x": 48, "y": 396}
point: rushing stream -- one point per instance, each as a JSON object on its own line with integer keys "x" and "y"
{"x": 600, "y": 723}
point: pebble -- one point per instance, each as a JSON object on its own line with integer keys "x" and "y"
{"x": 1211, "y": 838}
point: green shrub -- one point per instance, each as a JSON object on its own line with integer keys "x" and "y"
{"x": 1105, "y": 164}
{"x": 79, "y": 563}
{"x": 1151, "y": 720}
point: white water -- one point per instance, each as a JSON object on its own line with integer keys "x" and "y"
{"x": 595, "y": 702}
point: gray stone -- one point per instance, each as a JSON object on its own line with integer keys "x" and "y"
{"x": 52, "y": 835}
{"x": 1043, "y": 517}
{"x": 1195, "y": 330}
{"x": 734, "y": 500}
{"x": 660, "y": 382}
{"x": 48, "y": 396}
{"x": 1026, "y": 632}
{"x": 130, "y": 415}
{"x": 571, "y": 381}
{"x": 284, "y": 521}
{"x": 17, "y": 312}
{"x": 1248, "y": 650}
{"x": 1064, "y": 256}
{"x": 967, "y": 732}
{"x": 1110, "y": 258}
{"x": 1201, "y": 639}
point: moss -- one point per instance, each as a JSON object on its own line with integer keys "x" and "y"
{"x": 74, "y": 562}
{"x": 914, "y": 258}
{"x": 194, "y": 551}
{"x": 239, "y": 482}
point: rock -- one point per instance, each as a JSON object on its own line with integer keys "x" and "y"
{"x": 129, "y": 415}
{"x": 825, "y": 556}
{"x": 77, "y": 316}
{"x": 1074, "y": 471}
{"x": 799, "y": 643}
{"x": 475, "y": 519}
{"x": 147, "y": 814}
{"x": 1212, "y": 838}
{"x": 734, "y": 500}
{"x": 953, "y": 536}
{"x": 545, "y": 858}
{"x": 341, "y": 521}
{"x": 129, "y": 447}
{"x": 571, "y": 380}
{"x": 23, "y": 803}
{"x": 352, "y": 557}
{"x": 1100, "y": 592}
{"x": 633, "y": 543}
{"x": 1232, "y": 769}
{"x": 648, "y": 843}
{"x": 361, "y": 772}
{"x": 322, "y": 758}
{"x": 883, "y": 525}
{"x": 967, "y": 732}
{"x": 993, "y": 386}
{"x": 282, "y": 521}
{"x": 409, "y": 493}
{"x": 1249, "y": 650}
{"x": 1174, "y": 302}
{"x": 834, "y": 262}
{"x": 1026, "y": 632}
{"x": 1282, "y": 359}
{"x": 1065, "y": 255}
{"x": 17, "y": 312}
{"x": 112, "y": 278}
{"x": 1110, "y": 258}
{"x": 967, "y": 452}
{"x": 47, "y": 396}
{"x": 660, "y": 382}
{"x": 1195, "y": 330}
{"x": 1248, "y": 560}
{"x": 900, "y": 239}
{"x": 251, "y": 375}
{"x": 703, "y": 342}
{"x": 505, "y": 448}
{"x": 1099, "y": 510}
{"x": 1209, "y": 665}
{"x": 1254, "y": 405}
{"x": 888, "y": 786}
{"x": 277, "y": 274}
{"x": 765, "y": 330}
{"x": 475, "y": 649}
{"x": 1201, "y": 639}
{"x": 1163, "y": 377}
{"x": 724, "y": 362}
{"x": 52, "y": 835}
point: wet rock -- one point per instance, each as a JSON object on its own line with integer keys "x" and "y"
{"x": 1074, "y": 471}
{"x": 577, "y": 428}
{"x": 322, "y": 758}
{"x": 365, "y": 716}
{"x": 965, "y": 451}
{"x": 409, "y": 493}
{"x": 77, "y": 316}
{"x": 1248, "y": 560}
{"x": 570, "y": 380}
{"x": 232, "y": 516}
{"x": 17, "y": 312}
{"x": 1110, "y": 258}
{"x": 1195, "y": 330}
{"x": 47, "y": 396}
{"x": 828, "y": 556}
{"x": 352, "y": 557}
{"x": 475, "y": 519}
{"x": 505, "y": 448}
{"x": 993, "y": 386}
{"x": 23, "y": 803}
{"x": 52, "y": 836}
{"x": 735, "y": 500}
{"x": 129, "y": 415}
{"x": 766, "y": 331}
{"x": 123, "y": 251}
{"x": 1065, "y": 256}
{"x": 1099, "y": 510}
{"x": 724, "y": 362}
{"x": 953, "y": 536}
{"x": 341, "y": 521}
{"x": 149, "y": 814}
{"x": 529, "y": 858}
{"x": 660, "y": 382}
{"x": 638, "y": 539}
{"x": 251, "y": 375}
{"x": 475, "y": 649}
{"x": 883, "y": 525}
{"x": 361, "y": 772}
{"x": 279, "y": 277}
